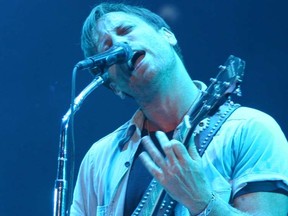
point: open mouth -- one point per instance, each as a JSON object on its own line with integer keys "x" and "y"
{"x": 136, "y": 59}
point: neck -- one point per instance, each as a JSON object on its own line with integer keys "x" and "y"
{"x": 168, "y": 107}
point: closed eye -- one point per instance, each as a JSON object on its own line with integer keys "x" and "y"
{"x": 124, "y": 30}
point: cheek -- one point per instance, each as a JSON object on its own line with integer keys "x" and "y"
{"x": 114, "y": 73}
{"x": 117, "y": 76}
{"x": 111, "y": 75}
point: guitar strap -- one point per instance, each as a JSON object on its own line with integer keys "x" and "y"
{"x": 214, "y": 122}
{"x": 205, "y": 131}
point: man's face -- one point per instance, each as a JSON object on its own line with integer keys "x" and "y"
{"x": 154, "y": 56}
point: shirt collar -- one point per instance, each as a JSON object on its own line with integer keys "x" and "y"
{"x": 134, "y": 125}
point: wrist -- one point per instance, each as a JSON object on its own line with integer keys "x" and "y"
{"x": 209, "y": 206}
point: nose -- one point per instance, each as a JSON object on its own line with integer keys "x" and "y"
{"x": 109, "y": 40}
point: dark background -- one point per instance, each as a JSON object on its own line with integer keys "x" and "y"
{"x": 40, "y": 45}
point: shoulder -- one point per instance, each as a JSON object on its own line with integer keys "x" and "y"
{"x": 249, "y": 114}
{"x": 250, "y": 126}
{"x": 252, "y": 137}
{"x": 257, "y": 148}
{"x": 256, "y": 140}
{"x": 250, "y": 120}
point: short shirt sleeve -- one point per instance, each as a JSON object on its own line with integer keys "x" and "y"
{"x": 260, "y": 152}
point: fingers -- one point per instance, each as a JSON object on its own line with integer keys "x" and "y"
{"x": 192, "y": 149}
{"x": 176, "y": 150}
{"x": 154, "y": 153}
{"x": 167, "y": 146}
{"x": 160, "y": 166}
{"x": 150, "y": 165}
{"x": 175, "y": 153}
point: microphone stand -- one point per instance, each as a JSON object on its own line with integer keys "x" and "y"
{"x": 61, "y": 183}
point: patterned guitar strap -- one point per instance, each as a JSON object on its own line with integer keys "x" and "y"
{"x": 205, "y": 131}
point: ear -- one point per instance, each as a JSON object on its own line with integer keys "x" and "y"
{"x": 116, "y": 90}
{"x": 169, "y": 36}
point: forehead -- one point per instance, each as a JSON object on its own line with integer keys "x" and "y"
{"x": 112, "y": 20}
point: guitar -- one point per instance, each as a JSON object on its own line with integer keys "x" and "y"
{"x": 156, "y": 201}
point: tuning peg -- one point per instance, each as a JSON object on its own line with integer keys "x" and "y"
{"x": 213, "y": 80}
{"x": 239, "y": 79}
{"x": 222, "y": 67}
{"x": 226, "y": 84}
{"x": 238, "y": 91}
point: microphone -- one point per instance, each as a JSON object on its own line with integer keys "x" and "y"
{"x": 117, "y": 54}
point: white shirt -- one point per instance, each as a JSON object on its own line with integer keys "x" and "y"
{"x": 249, "y": 147}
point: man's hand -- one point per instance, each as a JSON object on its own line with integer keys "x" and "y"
{"x": 180, "y": 173}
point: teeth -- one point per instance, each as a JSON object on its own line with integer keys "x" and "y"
{"x": 130, "y": 65}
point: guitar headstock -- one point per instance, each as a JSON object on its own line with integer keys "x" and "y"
{"x": 228, "y": 79}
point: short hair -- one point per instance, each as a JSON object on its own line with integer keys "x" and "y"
{"x": 88, "y": 43}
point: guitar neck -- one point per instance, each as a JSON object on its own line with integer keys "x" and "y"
{"x": 150, "y": 201}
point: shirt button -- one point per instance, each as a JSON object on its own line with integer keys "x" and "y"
{"x": 127, "y": 164}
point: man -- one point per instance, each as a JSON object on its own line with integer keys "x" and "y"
{"x": 242, "y": 172}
